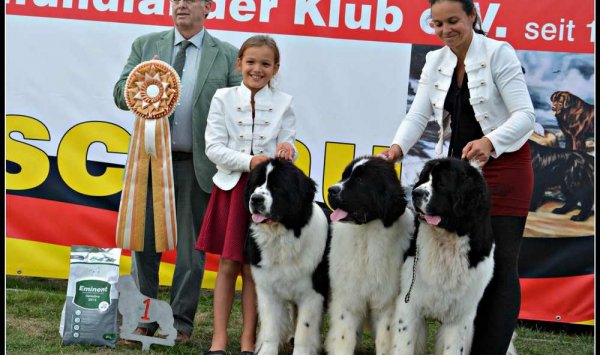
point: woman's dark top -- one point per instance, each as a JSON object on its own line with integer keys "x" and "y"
{"x": 510, "y": 176}
{"x": 465, "y": 127}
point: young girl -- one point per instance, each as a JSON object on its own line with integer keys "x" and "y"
{"x": 246, "y": 125}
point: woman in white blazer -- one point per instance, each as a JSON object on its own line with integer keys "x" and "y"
{"x": 475, "y": 90}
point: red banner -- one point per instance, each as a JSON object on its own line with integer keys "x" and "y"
{"x": 537, "y": 25}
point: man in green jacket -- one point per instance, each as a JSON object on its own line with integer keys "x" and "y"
{"x": 210, "y": 64}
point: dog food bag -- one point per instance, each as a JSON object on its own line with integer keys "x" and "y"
{"x": 89, "y": 315}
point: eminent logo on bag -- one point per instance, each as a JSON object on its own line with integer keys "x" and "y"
{"x": 92, "y": 294}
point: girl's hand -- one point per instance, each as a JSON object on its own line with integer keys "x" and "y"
{"x": 479, "y": 149}
{"x": 257, "y": 159}
{"x": 284, "y": 151}
{"x": 392, "y": 154}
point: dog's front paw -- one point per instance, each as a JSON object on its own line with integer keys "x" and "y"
{"x": 267, "y": 348}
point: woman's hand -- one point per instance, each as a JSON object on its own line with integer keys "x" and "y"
{"x": 257, "y": 159}
{"x": 479, "y": 149}
{"x": 284, "y": 151}
{"x": 393, "y": 154}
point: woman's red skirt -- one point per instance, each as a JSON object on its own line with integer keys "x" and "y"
{"x": 225, "y": 223}
{"x": 510, "y": 181}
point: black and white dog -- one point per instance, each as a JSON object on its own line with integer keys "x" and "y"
{"x": 371, "y": 231}
{"x": 450, "y": 261}
{"x": 287, "y": 249}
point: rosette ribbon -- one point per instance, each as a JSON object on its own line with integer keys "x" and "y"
{"x": 151, "y": 93}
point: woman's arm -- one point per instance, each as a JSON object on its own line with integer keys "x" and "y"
{"x": 510, "y": 82}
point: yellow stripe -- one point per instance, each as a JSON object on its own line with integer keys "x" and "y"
{"x": 36, "y": 259}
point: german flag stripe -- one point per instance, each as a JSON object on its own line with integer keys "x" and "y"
{"x": 558, "y": 299}
{"x": 556, "y": 257}
{"x": 55, "y": 189}
{"x": 36, "y": 259}
{"x": 67, "y": 224}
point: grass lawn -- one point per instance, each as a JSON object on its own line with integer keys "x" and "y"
{"x": 33, "y": 308}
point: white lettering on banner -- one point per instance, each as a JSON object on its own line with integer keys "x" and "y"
{"x": 592, "y": 27}
{"x": 425, "y": 22}
{"x": 382, "y": 13}
{"x": 152, "y": 7}
{"x": 364, "y": 21}
{"x": 548, "y": 31}
{"x": 490, "y": 15}
{"x": 239, "y": 6}
{"x": 128, "y": 7}
{"x": 308, "y": 7}
{"x": 112, "y": 5}
{"x": 146, "y": 7}
{"x": 334, "y": 13}
{"x": 265, "y": 9}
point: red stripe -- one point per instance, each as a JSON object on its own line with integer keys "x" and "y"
{"x": 69, "y": 224}
{"x": 538, "y": 25}
{"x": 558, "y": 299}
{"x": 570, "y": 298}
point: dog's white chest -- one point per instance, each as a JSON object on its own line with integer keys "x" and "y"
{"x": 368, "y": 255}
{"x": 443, "y": 258}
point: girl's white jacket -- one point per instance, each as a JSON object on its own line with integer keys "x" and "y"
{"x": 231, "y": 134}
{"x": 498, "y": 94}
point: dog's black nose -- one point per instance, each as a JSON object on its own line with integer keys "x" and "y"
{"x": 419, "y": 194}
{"x": 334, "y": 190}
{"x": 257, "y": 200}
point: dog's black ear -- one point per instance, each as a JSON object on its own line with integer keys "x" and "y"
{"x": 308, "y": 187}
{"x": 424, "y": 174}
{"x": 253, "y": 176}
{"x": 394, "y": 204}
{"x": 394, "y": 208}
{"x": 471, "y": 197}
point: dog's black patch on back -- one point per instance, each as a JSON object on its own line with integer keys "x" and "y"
{"x": 251, "y": 250}
{"x": 412, "y": 249}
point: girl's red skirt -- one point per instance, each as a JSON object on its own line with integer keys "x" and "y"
{"x": 225, "y": 223}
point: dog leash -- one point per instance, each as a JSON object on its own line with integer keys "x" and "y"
{"x": 414, "y": 273}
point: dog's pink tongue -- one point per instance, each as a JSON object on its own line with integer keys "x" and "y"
{"x": 433, "y": 220}
{"x": 338, "y": 215}
{"x": 258, "y": 218}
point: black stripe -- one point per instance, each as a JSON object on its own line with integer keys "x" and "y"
{"x": 556, "y": 257}
{"x": 55, "y": 189}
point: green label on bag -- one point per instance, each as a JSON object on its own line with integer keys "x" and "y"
{"x": 92, "y": 294}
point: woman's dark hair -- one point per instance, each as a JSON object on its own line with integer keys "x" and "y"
{"x": 468, "y": 6}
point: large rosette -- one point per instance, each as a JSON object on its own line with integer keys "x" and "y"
{"x": 152, "y": 89}
{"x": 151, "y": 93}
